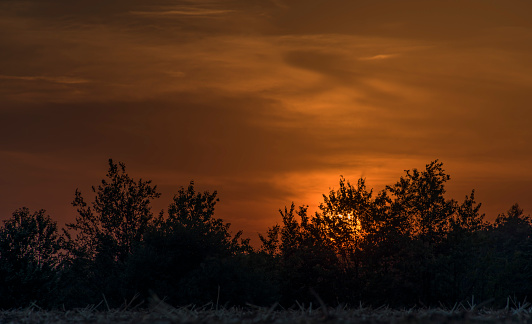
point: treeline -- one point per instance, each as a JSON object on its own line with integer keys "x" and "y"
{"x": 405, "y": 245}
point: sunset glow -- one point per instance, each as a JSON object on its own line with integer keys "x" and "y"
{"x": 352, "y": 225}
{"x": 267, "y": 102}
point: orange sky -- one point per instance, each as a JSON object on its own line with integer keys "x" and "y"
{"x": 267, "y": 102}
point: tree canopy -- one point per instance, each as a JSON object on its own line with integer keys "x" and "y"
{"x": 408, "y": 244}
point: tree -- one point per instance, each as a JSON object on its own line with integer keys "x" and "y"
{"x": 303, "y": 258}
{"x": 420, "y": 196}
{"x": 117, "y": 218}
{"x": 368, "y": 236}
{"x": 345, "y": 218}
{"x": 29, "y": 255}
{"x": 270, "y": 242}
{"x": 468, "y": 217}
{"x": 514, "y": 220}
{"x": 104, "y": 235}
{"x": 194, "y": 212}
{"x": 177, "y": 247}
{"x": 511, "y": 243}
{"x": 461, "y": 265}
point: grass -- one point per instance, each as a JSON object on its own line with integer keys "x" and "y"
{"x": 159, "y": 312}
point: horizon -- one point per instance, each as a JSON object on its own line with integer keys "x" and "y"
{"x": 161, "y": 203}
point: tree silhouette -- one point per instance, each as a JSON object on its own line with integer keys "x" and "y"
{"x": 345, "y": 218}
{"x": 304, "y": 258}
{"x": 116, "y": 219}
{"x": 405, "y": 245}
{"x": 394, "y": 243}
{"x": 105, "y": 233}
{"x": 467, "y": 217}
{"x": 419, "y": 197}
{"x": 29, "y": 256}
{"x": 511, "y": 247}
{"x": 179, "y": 248}
{"x": 270, "y": 242}
{"x": 461, "y": 262}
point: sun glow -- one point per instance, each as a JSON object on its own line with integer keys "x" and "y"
{"x": 353, "y": 221}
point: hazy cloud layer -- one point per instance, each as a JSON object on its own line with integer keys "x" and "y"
{"x": 265, "y": 101}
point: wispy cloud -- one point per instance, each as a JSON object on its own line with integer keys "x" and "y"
{"x": 182, "y": 11}
{"x": 52, "y": 79}
{"x": 378, "y": 57}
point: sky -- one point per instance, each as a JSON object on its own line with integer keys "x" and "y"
{"x": 265, "y": 101}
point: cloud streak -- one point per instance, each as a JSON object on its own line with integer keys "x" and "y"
{"x": 52, "y": 79}
{"x": 183, "y": 11}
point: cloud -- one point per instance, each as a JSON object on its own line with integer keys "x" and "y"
{"x": 52, "y": 79}
{"x": 183, "y": 11}
{"x": 378, "y": 57}
{"x": 270, "y": 97}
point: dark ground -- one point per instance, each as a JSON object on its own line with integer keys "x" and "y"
{"x": 161, "y": 313}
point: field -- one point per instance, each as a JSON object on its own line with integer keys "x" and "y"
{"x": 161, "y": 313}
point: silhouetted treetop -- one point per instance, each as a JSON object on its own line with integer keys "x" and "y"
{"x": 193, "y": 209}
{"x": 468, "y": 216}
{"x": 30, "y": 249}
{"x": 30, "y": 238}
{"x": 117, "y": 218}
{"x": 514, "y": 216}
{"x": 420, "y": 195}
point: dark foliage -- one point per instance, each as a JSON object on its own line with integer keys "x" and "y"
{"x": 105, "y": 232}
{"x": 29, "y": 257}
{"x": 406, "y": 245}
{"x": 403, "y": 246}
{"x": 187, "y": 255}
